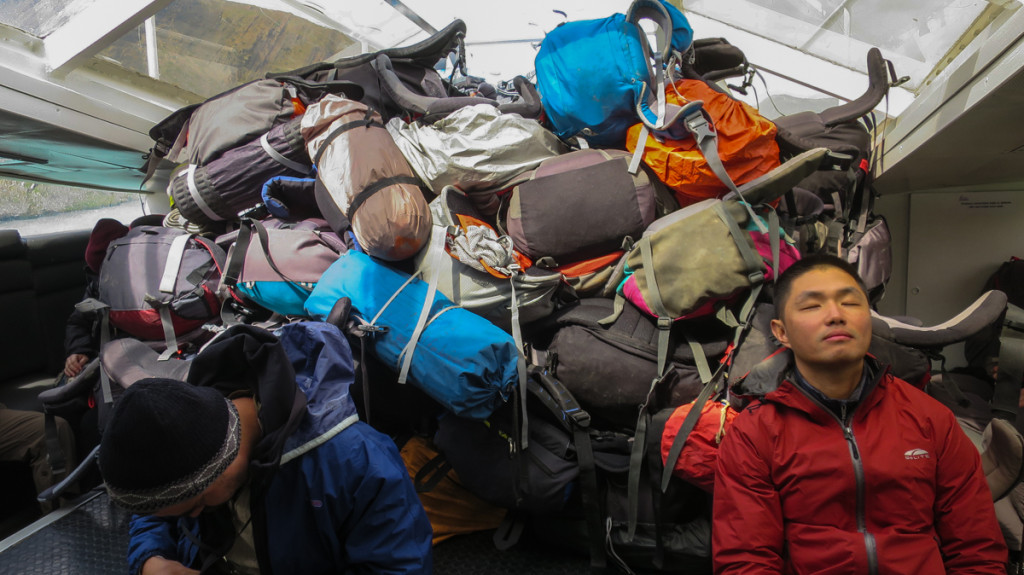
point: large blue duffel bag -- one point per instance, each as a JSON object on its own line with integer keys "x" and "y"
{"x": 460, "y": 359}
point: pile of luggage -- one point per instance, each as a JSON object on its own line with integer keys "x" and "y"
{"x": 561, "y": 278}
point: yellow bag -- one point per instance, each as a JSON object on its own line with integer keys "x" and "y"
{"x": 450, "y": 507}
{"x": 746, "y": 145}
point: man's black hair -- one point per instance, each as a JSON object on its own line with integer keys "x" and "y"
{"x": 784, "y": 284}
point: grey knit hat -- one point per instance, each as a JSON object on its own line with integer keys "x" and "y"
{"x": 166, "y": 442}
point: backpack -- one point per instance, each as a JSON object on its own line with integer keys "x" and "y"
{"x": 594, "y": 190}
{"x": 609, "y": 368}
{"x": 745, "y": 141}
{"x": 569, "y": 484}
{"x": 714, "y": 251}
{"x": 120, "y": 363}
{"x": 160, "y": 283}
{"x": 413, "y": 67}
{"x": 219, "y": 190}
{"x": 475, "y": 149}
{"x": 281, "y": 267}
{"x": 199, "y": 133}
{"x": 596, "y": 77}
{"x": 481, "y": 271}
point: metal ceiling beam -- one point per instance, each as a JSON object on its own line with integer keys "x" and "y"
{"x": 93, "y": 29}
{"x": 412, "y": 15}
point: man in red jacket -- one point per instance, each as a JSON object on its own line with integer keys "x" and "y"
{"x": 843, "y": 468}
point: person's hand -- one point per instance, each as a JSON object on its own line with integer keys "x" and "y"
{"x": 160, "y": 566}
{"x": 74, "y": 363}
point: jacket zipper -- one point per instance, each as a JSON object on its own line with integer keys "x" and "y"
{"x": 858, "y": 470}
{"x": 858, "y": 473}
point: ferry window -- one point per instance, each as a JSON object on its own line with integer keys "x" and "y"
{"x": 209, "y": 46}
{"x": 34, "y": 208}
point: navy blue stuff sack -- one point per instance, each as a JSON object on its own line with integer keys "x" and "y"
{"x": 596, "y": 77}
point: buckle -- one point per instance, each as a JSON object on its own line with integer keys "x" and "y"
{"x": 579, "y": 417}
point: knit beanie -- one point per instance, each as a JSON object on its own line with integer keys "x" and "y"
{"x": 105, "y": 231}
{"x": 166, "y": 441}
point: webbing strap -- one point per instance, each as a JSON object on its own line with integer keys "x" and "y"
{"x": 1011, "y": 365}
{"x": 659, "y": 75}
{"x": 236, "y": 255}
{"x": 590, "y": 497}
{"x": 742, "y": 240}
{"x": 173, "y": 265}
{"x": 169, "y": 339}
{"x": 834, "y": 238}
{"x": 436, "y": 250}
{"x": 775, "y": 240}
{"x": 197, "y": 197}
{"x": 367, "y": 122}
{"x": 277, "y": 157}
{"x": 509, "y": 531}
{"x": 375, "y": 187}
{"x": 92, "y": 305}
{"x": 838, "y": 206}
{"x": 864, "y": 210}
{"x": 617, "y": 307}
{"x": 699, "y": 358}
{"x": 261, "y": 231}
{"x": 636, "y": 461}
{"x": 707, "y": 141}
{"x": 689, "y": 422}
{"x": 657, "y": 304}
{"x": 517, "y": 337}
{"x": 431, "y": 474}
{"x": 108, "y": 396}
{"x": 638, "y": 151}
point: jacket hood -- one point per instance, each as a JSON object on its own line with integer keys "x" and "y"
{"x": 242, "y": 360}
{"x": 324, "y": 372}
{"x": 768, "y": 376}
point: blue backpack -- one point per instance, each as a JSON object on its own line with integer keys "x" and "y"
{"x": 596, "y": 77}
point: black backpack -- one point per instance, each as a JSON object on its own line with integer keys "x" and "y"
{"x": 570, "y": 483}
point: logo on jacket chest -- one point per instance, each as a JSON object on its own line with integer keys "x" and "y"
{"x": 916, "y": 454}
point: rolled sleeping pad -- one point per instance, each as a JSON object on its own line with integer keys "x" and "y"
{"x": 363, "y": 178}
{"x": 221, "y": 189}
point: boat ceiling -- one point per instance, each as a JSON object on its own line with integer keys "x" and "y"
{"x": 83, "y": 81}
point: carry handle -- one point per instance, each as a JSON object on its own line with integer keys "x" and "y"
{"x": 654, "y": 11}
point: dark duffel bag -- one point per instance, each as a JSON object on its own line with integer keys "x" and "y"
{"x": 579, "y": 206}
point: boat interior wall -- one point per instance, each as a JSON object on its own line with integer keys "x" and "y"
{"x": 963, "y": 130}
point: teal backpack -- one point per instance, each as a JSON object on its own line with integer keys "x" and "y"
{"x": 597, "y": 78}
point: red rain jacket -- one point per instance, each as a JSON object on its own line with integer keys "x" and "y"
{"x": 899, "y": 491}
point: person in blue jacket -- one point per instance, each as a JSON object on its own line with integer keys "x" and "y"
{"x": 258, "y": 464}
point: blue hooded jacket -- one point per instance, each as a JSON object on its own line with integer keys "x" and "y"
{"x": 329, "y": 494}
